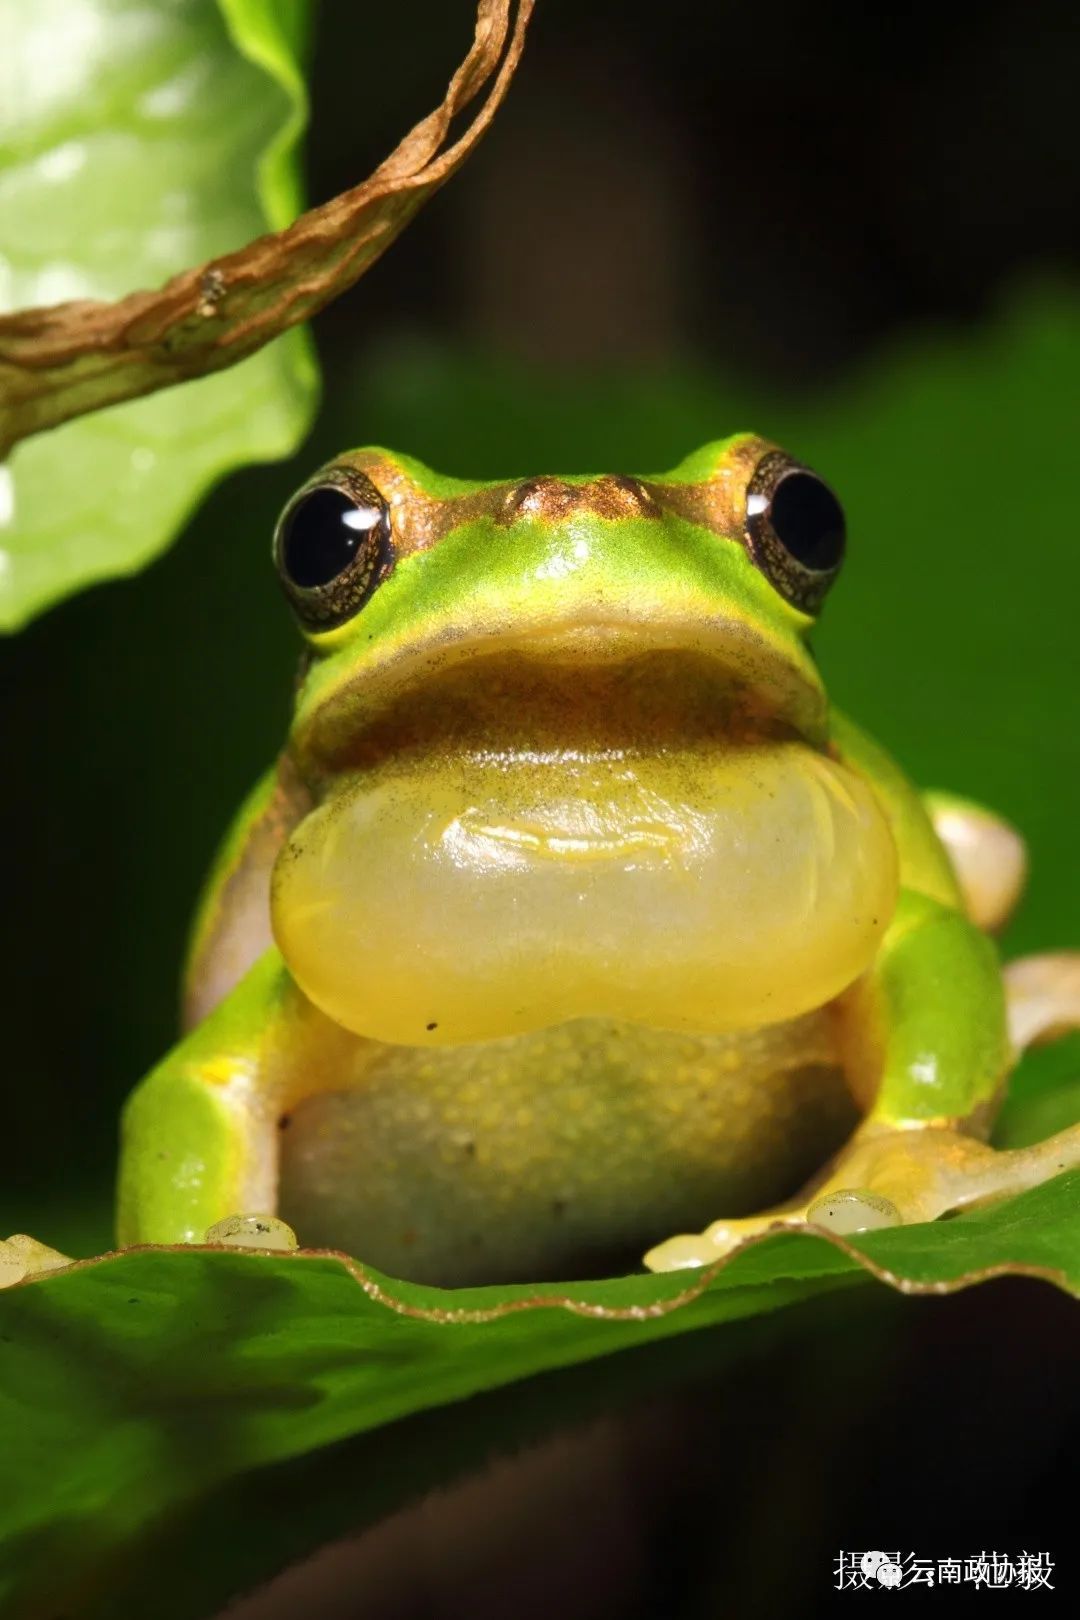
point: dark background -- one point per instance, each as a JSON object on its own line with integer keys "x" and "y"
{"x": 853, "y": 230}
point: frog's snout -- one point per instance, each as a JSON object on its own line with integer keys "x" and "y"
{"x": 553, "y": 500}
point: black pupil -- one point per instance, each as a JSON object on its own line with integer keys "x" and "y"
{"x": 322, "y": 535}
{"x": 808, "y": 520}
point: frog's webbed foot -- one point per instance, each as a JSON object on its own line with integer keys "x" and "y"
{"x": 888, "y": 1176}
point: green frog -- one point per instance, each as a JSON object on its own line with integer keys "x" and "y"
{"x": 573, "y": 921}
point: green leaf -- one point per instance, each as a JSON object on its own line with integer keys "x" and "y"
{"x": 136, "y": 1386}
{"x": 139, "y": 139}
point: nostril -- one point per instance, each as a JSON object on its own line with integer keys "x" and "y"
{"x": 541, "y": 497}
{"x": 628, "y": 497}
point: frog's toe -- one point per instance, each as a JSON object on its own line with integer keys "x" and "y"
{"x": 253, "y": 1232}
{"x": 1043, "y": 995}
{"x": 853, "y": 1209}
{"x": 686, "y": 1252}
{"x": 22, "y": 1256}
{"x": 689, "y": 1250}
{"x": 987, "y": 855}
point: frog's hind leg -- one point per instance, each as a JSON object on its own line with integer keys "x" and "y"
{"x": 1043, "y": 997}
{"x": 888, "y": 1177}
{"x": 231, "y": 930}
{"x": 987, "y": 855}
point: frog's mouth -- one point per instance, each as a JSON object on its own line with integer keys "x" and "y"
{"x": 595, "y": 686}
{"x": 586, "y": 823}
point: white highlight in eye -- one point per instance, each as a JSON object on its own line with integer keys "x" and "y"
{"x": 756, "y": 503}
{"x": 362, "y": 518}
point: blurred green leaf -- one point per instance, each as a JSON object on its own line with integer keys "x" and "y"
{"x": 134, "y": 1386}
{"x": 138, "y": 139}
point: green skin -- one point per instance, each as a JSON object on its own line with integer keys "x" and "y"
{"x": 923, "y": 1036}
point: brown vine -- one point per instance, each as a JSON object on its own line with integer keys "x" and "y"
{"x": 63, "y": 360}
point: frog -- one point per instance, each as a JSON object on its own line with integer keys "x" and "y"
{"x": 574, "y": 923}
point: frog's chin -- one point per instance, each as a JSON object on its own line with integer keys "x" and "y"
{"x": 587, "y": 686}
{"x": 710, "y": 888}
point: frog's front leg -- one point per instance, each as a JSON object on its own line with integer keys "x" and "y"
{"x": 201, "y": 1133}
{"x": 925, "y": 1041}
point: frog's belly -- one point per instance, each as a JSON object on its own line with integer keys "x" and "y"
{"x": 563, "y": 1152}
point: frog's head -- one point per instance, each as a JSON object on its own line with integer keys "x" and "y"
{"x": 569, "y": 752}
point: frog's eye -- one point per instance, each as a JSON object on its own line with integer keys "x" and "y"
{"x": 795, "y": 529}
{"x": 332, "y": 548}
